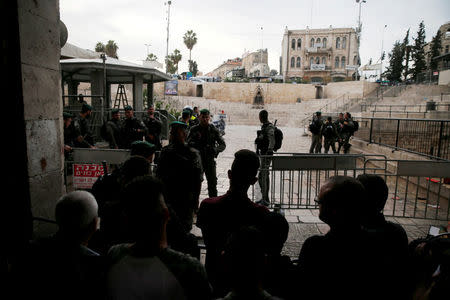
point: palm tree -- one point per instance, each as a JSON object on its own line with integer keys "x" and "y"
{"x": 151, "y": 57}
{"x": 190, "y": 39}
{"x": 111, "y": 49}
{"x": 176, "y": 57}
{"x": 100, "y": 47}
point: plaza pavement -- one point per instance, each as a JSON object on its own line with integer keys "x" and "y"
{"x": 302, "y": 222}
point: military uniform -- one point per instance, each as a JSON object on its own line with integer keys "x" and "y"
{"x": 132, "y": 130}
{"x": 83, "y": 128}
{"x": 113, "y": 133}
{"x": 316, "y": 139}
{"x": 210, "y": 143}
{"x": 346, "y": 133}
{"x": 330, "y": 136}
{"x": 265, "y": 142}
{"x": 153, "y": 134}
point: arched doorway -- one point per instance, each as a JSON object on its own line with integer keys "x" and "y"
{"x": 259, "y": 98}
{"x": 319, "y": 92}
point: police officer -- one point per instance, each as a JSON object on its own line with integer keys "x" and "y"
{"x": 180, "y": 170}
{"x": 347, "y": 131}
{"x": 70, "y": 134}
{"x": 315, "y": 127}
{"x": 330, "y": 135}
{"x": 85, "y": 138}
{"x": 153, "y": 134}
{"x": 339, "y": 124}
{"x": 206, "y": 138}
{"x": 265, "y": 143}
{"x": 132, "y": 128}
{"x": 113, "y": 130}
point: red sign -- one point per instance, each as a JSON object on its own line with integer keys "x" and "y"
{"x": 85, "y": 175}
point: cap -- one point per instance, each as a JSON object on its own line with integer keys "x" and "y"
{"x": 142, "y": 148}
{"x": 175, "y": 124}
{"x": 188, "y": 107}
{"x": 128, "y": 107}
{"x": 67, "y": 115}
{"x": 85, "y": 107}
{"x": 318, "y": 112}
{"x": 114, "y": 111}
{"x": 186, "y": 112}
{"x": 204, "y": 112}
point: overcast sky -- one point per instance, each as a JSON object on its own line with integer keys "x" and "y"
{"x": 226, "y": 28}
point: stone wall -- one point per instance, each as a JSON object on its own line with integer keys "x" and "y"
{"x": 41, "y": 82}
{"x": 272, "y": 92}
{"x": 444, "y": 77}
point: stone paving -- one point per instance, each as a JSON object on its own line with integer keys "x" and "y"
{"x": 302, "y": 222}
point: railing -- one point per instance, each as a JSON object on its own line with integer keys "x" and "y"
{"x": 430, "y": 138}
{"x": 404, "y": 108}
{"x": 416, "y": 188}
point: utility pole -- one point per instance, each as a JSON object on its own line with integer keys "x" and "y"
{"x": 382, "y": 52}
{"x": 148, "y": 45}
{"x": 168, "y": 23}
{"x": 359, "y": 29}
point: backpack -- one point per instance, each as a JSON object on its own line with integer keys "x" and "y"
{"x": 355, "y": 126}
{"x": 329, "y": 131}
{"x": 278, "y": 137}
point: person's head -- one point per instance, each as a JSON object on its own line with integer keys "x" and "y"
{"x": 134, "y": 167}
{"x": 204, "y": 117}
{"x": 341, "y": 116}
{"x": 244, "y": 258}
{"x": 263, "y": 116}
{"x": 244, "y": 170}
{"x": 115, "y": 114}
{"x": 318, "y": 114}
{"x": 340, "y": 200}
{"x": 76, "y": 214}
{"x": 347, "y": 115}
{"x": 151, "y": 110}
{"x": 329, "y": 119}
{"x": 144, "y": 149}
{"x": 196, "y": 110}
{"x": 377, "y": 192}
{"x": 86, "y": 110}
{"x": 276, "y": 229}
{"x": 186, "y": 115}
{"x": 129, "y": 112}
{"x": 146, "y": 211}
{"x": 67, "y": 117}
{"x": 178, "y": 132}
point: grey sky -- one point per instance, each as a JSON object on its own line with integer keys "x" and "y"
{"x": 226, "y": 28}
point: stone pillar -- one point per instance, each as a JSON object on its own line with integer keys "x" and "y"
{"x": 97, "y": 88}
{"x": 42, "y": 106}
{"x": 138, "y": 101}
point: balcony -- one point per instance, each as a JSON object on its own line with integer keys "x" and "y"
{"x": 319, "y": 50}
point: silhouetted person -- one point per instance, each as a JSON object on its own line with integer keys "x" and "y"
{"x": 389, "y": 240}
{"x": 62, "y": 266}
{"x": 244, "y": 258}
{"x": 336, "y": 265}
{"x": 218, "y": 217}
{"x": 85, "y": 138}
{"x": 147, "y": 268}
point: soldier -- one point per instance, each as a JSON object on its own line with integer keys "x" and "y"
{"x": 132, "y": 128}
{"x": 180, "y": 170}
{"x": 347, "y": 131}
{"x": 206, "y": 138}
{"x": 113, "y": 129}
{"x": 314, "y": 127}
{"x": 85, "y": 138}
{"x": 339, "y": 123}
{"x": 153, "y": 134}
{"x": 330, "y": 135}
{"x": 186, "y": 119}
{"x": 265, "y": 143}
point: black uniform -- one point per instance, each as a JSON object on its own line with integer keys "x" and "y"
{"x": 316, "y": 139}
{"x": 113, "y": 133}
{"x": 265, "y": 143}
{"x": 210, "y": 143}
{"x": 83, "y": 127}
{"x": 330, "y": 136}
{"x": 132, "y": 130}
{"x": 346, "y": 133}
{"x": 153, "y": 134}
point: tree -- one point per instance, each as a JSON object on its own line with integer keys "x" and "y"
{"x": 406, "y": 50}
{"x": 151, "y": 57}
{"x": 395, "y": 68}
{"x": 111, "y": 49}
{"x": 436, "y": 47}
{"x": 418, "y": 53}
{"x": 193, "y": 68}
{"x": 172, "y": 62}
{"x": 190, "y": 39}
{"x": 100, "y": 47}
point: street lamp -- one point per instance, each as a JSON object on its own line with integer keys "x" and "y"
{"x": 358, "y": 31}
{"x": 148, "y": 45}
{"x": 168, "y": 22}
{"x": 382, "y": 52}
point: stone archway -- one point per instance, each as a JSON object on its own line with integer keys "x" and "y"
{"x": 319, "y": 92}
{"x": 258, "y": 100}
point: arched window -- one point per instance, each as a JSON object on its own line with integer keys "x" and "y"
{"x": 292, "y": 62}
{"x": 311, "y": 44}
{"x": 293, "y": 44}
{"x": 324, "y": 42}
{"x": 343, "y": 62}
{"x": 318, "y": 41}
{"x": 336, "y": 62}
{"x": 324, "y": 60}
{"x": 311, "y": 61}
{"x": 299, "y": 64}
{"x": 338, "y": 43}
{"x": 344, "y": 42}
{"x": 317, "y": 60}
{"x": 299, "y": 43}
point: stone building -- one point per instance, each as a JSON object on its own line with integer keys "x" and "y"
{"x": 222, "y": 70}
{"x": 444, "y": 57}
{"x": 251, "y": 59}
{"x": 320, "y": 55}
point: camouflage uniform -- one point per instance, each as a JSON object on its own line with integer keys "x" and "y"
{"x": 265, "y": 143}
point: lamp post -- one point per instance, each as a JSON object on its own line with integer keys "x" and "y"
{"x": 168, "y": 23}
{"x": 358, "y": 31}
{"x": 148, "y": 45}
{"x": 382, "y": 52}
